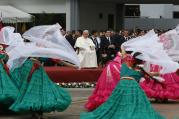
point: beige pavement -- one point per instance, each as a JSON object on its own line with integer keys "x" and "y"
{"x": 169, "y": 110}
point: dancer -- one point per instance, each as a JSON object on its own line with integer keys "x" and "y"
{"x": 107, "y": 81}
{"x": 37, "y": 92}
{"x": 128, "y": 101}
{"x": 99, "y": 95}
{"x": 8, "y": 91}
{"x": 169, "y": 87}
{"x": 105, "y": 85}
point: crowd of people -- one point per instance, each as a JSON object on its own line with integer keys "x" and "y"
{"x": 96, "y": 48}
{"x": 106, "y": 44}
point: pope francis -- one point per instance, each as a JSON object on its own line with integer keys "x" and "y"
{"x": 86, "y": 51}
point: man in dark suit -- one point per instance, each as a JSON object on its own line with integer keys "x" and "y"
{"x": 70, "y": 39}
{"x": 96, "y": 40}
{"x": 78, "y": 33}
{"x": 119, "y": 40}
{"x": 108, "y": 47}
{"x": 125, "y": 34}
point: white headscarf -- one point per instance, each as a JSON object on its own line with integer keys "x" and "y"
{"x": 170, "y": 42}
{"x": 18, "y": 54}
{"x": 49, "y": 44}
{"x": 48, "y": 36}
{"x": 8, "y": 37}
{"x": 152, "y": 51}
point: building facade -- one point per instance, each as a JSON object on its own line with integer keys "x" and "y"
{"x": 101, "y": 14}
{"x": 161, "y": 16}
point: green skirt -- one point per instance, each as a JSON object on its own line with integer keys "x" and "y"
{"x": 128, "y": 101}
{"x": 40, "y": 94}
{"x": 8, "y": 91}
{"x": 21, "y": 74}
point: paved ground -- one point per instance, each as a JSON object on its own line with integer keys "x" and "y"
{"x": 170, "y": 110}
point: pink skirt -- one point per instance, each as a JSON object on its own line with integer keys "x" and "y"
{"x": 169, "y": 89}
{"x": 105, "y": 85}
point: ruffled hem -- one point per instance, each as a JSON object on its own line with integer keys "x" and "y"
{"x": 169, "y": 89}
{"x": 127, "y": 101}
{"x": 105, "y": 85}
{"x": 41, "y": 94}
{"x": 37, "y": 106}
{"x": 123, "y": 115}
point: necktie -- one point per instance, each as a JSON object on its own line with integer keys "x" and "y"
{"x": 109, "y": 40}
{"x": 96, "y": 42}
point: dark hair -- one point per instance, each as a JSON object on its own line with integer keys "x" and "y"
{"x": 137, "y": 61}
{"x": 80, "y": 31}
{"x": 125, "y": 30}
{"x": 73, "y": 31}
{"x": 107, "y": 30}
{"x": 129, "y": 52}
{"x": 138, "y": 31}
{"x": 93, "y": 32}
{"x": 136, "y": 54}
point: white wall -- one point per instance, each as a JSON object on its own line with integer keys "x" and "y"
{"x": 89, "y": 14}
{"x": 37, "y": 6}
{"x": 176, "y": 8}
{"x": 156, "y": 10}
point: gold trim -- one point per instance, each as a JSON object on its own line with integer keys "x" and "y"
{"x": 129, "y": 78}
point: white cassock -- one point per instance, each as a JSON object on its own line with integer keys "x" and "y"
{"x": 87, "y": 52}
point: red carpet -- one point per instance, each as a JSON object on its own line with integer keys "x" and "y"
{"x": 65, "y": 74}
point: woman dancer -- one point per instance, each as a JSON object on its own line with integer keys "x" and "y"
{"x": 107, "y": 81}
{"x": 105, "y": 85}
{"x": 98, "y": 97}
{"x": 128, "y": 101}
{"x": 169, "y": 87}
{"x": 8, "y": 91}
{"x": 37, "y": 92}
{"x": 163, "y": 90}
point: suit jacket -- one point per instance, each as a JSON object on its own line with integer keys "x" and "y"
{"x": 119, "y": 40}
{"x": 105, "y": 42}
{"x": 70, "y": 40}
{"x": 111, "y": 53}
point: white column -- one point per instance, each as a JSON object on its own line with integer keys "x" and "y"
{"x": 68, "y": 15}
{"x": 72, "y": 15}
